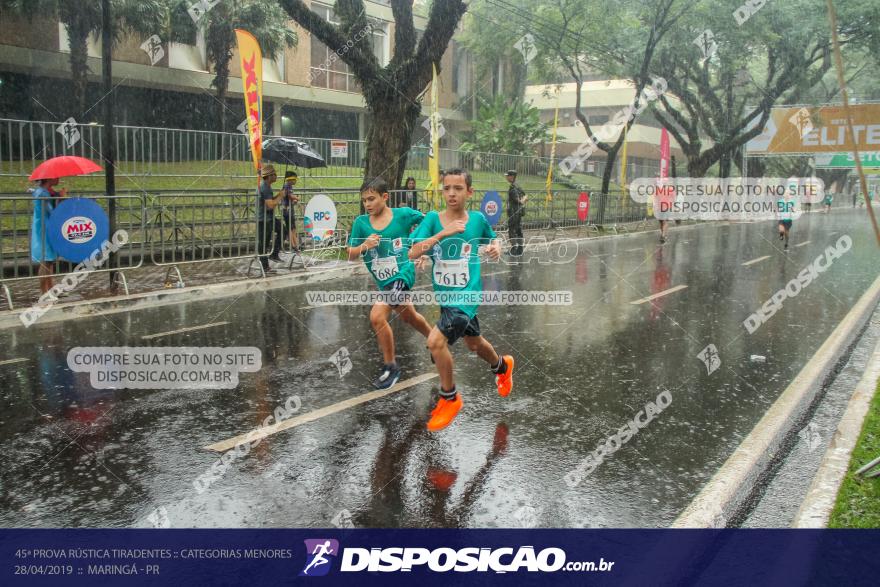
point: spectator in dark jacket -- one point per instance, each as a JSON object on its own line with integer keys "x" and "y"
{"x": 516, "y": 201}
{"x": 267, "y": 201}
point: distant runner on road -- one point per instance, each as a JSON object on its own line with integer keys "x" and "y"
{"x": 785, "y": 212}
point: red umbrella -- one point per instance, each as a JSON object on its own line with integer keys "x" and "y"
{"x": 64, "y": 166}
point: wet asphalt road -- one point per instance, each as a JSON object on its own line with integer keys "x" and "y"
{"x": 79, "y": 457}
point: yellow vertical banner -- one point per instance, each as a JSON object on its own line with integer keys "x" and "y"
{"x": 252, "y": 82}
{"x": 434, "y": 152}
{"x": 552, "y": 152}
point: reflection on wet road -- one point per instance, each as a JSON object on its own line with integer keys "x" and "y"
{"x": 75, "y": 456}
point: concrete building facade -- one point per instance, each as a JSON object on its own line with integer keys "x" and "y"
{"x": 601, "y": 100}
{"x": 307, "y": 92}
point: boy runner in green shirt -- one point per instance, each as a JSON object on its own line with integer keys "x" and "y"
{"x": 382, "y": 238}
{"x": 452, "y": 238}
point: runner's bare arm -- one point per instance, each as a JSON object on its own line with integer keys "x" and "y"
{"x": 493, "y": 249}
{"x": 422, "y": 247}
{"x": 370, "y": 242}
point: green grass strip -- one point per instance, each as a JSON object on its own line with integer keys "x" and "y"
{"x": 858, "y": 501}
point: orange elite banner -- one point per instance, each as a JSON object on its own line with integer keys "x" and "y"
{"x": 252, "y": 82}
{"x": 820, "y": 129}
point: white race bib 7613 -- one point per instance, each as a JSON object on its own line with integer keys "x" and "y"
{"x": 452, "y": 272}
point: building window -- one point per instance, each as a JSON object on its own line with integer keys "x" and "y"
{"x": 328, "y": 70}
{"x": 379, "y": 40}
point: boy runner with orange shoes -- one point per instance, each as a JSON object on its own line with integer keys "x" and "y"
{"x": 382, "y": 238}
{"x": 452, "y": 239}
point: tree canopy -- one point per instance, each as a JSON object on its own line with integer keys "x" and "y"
{"x": 391, "y": 91}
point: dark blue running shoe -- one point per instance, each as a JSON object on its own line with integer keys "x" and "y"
{"x": 388, "y": 376}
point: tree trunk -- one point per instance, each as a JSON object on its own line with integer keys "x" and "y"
{"x": 78, "y": 34}
{"x": 607, "y": 174}
{"x": 389, "y": 137}
{"x": 724, "y": 165}
{"x": 391, "y": 91}
{"x": 221, "y": 82}
{"x": 697, "y": 166}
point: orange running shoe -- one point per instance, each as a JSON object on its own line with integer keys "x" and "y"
{"x": 443, "y": 414}
{"x": 505, "y": 381}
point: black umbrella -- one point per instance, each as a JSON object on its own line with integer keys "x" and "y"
{"x": 291, "y": 152}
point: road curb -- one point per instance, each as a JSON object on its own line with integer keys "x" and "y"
{"x": 728, "y": 490}
{"x": 819, "y": 502}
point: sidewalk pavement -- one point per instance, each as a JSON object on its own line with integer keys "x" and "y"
{"x": 150, "y": 278}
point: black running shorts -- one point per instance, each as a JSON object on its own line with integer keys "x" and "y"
{"x": 454, "y": 324}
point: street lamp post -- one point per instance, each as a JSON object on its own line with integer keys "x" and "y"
{"x": 108, "y": 154}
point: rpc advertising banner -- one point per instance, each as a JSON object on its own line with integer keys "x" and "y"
{"x": 440, "y": 557}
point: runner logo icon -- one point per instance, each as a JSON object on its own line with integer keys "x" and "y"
{"x": 320, "y": 553}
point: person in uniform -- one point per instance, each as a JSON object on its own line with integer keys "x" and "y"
{"x": 516, "y": 200}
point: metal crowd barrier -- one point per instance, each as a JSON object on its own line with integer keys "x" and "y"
{"x": 17, "y": 223}
{"x": 184, "y": 227}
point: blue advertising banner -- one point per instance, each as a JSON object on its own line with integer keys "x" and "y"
{"x": 77, "y": 228}
{"x": 440, "y": 557}
{"x": 491, "y": 207}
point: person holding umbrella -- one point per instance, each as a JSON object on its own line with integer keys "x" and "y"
{"x": 285, "y": 224}
{"x": 45, "y": 200}
{"x": 266, "y": 204}
{"x": 288, "y": 151}
{"x": 47, "y": 176}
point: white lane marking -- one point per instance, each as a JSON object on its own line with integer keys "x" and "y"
{"x": 660, "y": 294}
{"x": 758, "y": 260}
{"x": 190, "y": 329}
{"x": 313, "y": 307}
{"x": 12, "y": 361}
{"x": 631, "y": 250}
{"x": 263, "y": 432}
{"x": 805, "y": 243}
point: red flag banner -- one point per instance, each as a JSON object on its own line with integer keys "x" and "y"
{"x": 252, "y": 82}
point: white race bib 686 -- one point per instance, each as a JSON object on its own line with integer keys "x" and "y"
{"x": 385, "y": 268}
{"x": 452, "y": 272}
